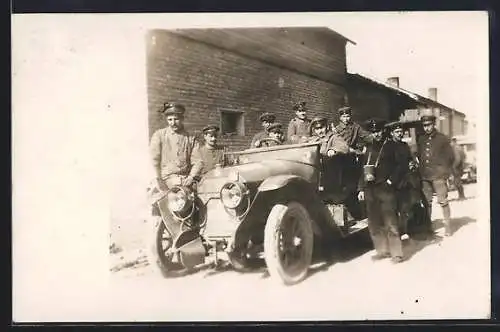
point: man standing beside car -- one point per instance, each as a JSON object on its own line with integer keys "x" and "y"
{"x": 436, "y": 161}
{"x": 383, "y": 171}
{"x": 458, "y": 167}
{"x": 174, "y": 152}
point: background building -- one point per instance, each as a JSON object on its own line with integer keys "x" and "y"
{"x": 230, "y": 77}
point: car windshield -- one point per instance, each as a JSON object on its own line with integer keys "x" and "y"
{"x": 307, "y": 153}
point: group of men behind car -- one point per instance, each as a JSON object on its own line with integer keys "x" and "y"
{"x": 382, "y": 163}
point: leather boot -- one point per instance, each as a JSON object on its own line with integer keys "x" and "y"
{"x": 461, "y": 195}
{"x": 447, "y": 217}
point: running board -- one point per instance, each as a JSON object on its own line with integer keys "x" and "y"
{"x": 358, "y": 226}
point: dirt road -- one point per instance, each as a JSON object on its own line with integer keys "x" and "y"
{"x": 443, "y": 278}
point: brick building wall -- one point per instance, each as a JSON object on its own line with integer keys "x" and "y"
{"x": 208, "y": 79}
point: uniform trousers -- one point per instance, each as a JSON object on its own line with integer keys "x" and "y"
{"x": 381, "y": 206}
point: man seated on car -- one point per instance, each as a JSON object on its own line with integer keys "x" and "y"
{"x": 274, "y": 136}
{"x": 211, "y": 153}
{"x": 331, "y": 143}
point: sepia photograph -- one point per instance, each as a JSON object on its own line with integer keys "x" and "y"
{"x": 255, "y": 167}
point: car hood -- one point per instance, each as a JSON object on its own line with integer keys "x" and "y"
{"x": 254, "y": 172}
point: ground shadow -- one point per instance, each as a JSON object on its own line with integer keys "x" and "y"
{"x": 455, "y": 223}
{"x": 343, "y": 251}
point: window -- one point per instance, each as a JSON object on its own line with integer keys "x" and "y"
{"x": 232, "y": 123}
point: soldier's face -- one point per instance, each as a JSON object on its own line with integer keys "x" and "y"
{"x": 211, "y": 139}
{"x": 301, "y": 114}
{"x": 345, "y": 118}
{"x": 428, "y": 127}
{"x": 275, "y": 134}
{"x": 174, "y": 122}
{"x": 266, "y": 124}
{"x": 320, "y": 131}
{"x": 377, "y": 135}
{"x": 397, "y": 134}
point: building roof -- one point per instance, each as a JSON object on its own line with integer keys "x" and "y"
{"x": 315, "y": 51}
{"x": 418, "y": 99}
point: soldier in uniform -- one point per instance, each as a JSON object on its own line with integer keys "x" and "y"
{"x": 385, "y": 167}
{"x": 266, "y": 119}
{"x": 436, "y": 161}
{"x": 331, "y": 143}
{"x": 356, "y": 138}
{"x": 298, "y": 128}
{"x": 274, "y": 131}
{"x": 352, "y": 132}
{"x": 211, "y": 153}
{"x": 458, "y": 167}
{"x": 174, "y": 151}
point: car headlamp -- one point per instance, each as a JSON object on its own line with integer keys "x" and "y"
{"x": 232, "y": 194}
{"x": 177, "y": 199}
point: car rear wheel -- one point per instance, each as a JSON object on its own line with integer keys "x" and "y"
{"x": 288, "y": 243}
{"x": 159, "y": 257}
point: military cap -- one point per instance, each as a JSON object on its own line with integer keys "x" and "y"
{"x": 173, "y": 108}
{"x": 210, "y": 129}
{"x": 318, "y": 122}
{"x": 375, "y": 125}
{"x": 345, "y": 110}
{"x": 274, "y": 127}
{"x": 269, "y": 117}
{"x": 301, "y": 106}
{"x": 428, "y": 118}
{"x": 394, "y": 125}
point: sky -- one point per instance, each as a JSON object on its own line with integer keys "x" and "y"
{"x": 446, "y": 50}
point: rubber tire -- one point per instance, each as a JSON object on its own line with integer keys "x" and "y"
{"x": 271, "y": 242}
{"x": 166, "y": 268}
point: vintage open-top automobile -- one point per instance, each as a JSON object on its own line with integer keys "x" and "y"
{"x": 273, "y": 203}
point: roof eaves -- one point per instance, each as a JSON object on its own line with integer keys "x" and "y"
{"x": 420, "y": 99}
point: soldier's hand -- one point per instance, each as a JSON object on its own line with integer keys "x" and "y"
{"x": 361, "y": 195}
{"x": 188, "y": 181}
{"x": 331, "y": 153}
{"x": 257, "y": 143}
{"x": 160, "y": 184}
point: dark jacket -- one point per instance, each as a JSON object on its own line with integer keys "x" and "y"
{"x": 355, "y": 136}
{"x": 435, "y": 156}
{"x": 392, "y": 165}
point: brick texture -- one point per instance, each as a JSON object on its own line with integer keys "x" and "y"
{"x": 207, "y": 79}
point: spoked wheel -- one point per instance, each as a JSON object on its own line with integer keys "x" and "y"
{"x": 288, "y": 242}
{"x": 159, "y": 256}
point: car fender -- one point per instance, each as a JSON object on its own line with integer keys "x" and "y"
{"x": 279, "y": 181}
{"x": 292, "y": 187}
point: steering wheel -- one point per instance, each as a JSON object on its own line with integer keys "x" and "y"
{"x": 269, "y": 139}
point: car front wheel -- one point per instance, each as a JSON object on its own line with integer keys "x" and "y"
{"x": 159, "y": 256}
{"x": 288, "y": 242}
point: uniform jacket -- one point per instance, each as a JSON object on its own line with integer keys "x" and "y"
{"x": 393, "y": 163}
{"x": 297, "y": 129}
{"x": 260, "y": 135}
{"x": 174, "y": 153}
{"x": 331, "y": 141}
{"x": 211, "y": 157}
{"x": 355, "y": 136}
{"x": 436, "y": 156}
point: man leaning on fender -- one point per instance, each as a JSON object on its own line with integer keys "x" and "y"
{"x": 174, "y": 152}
